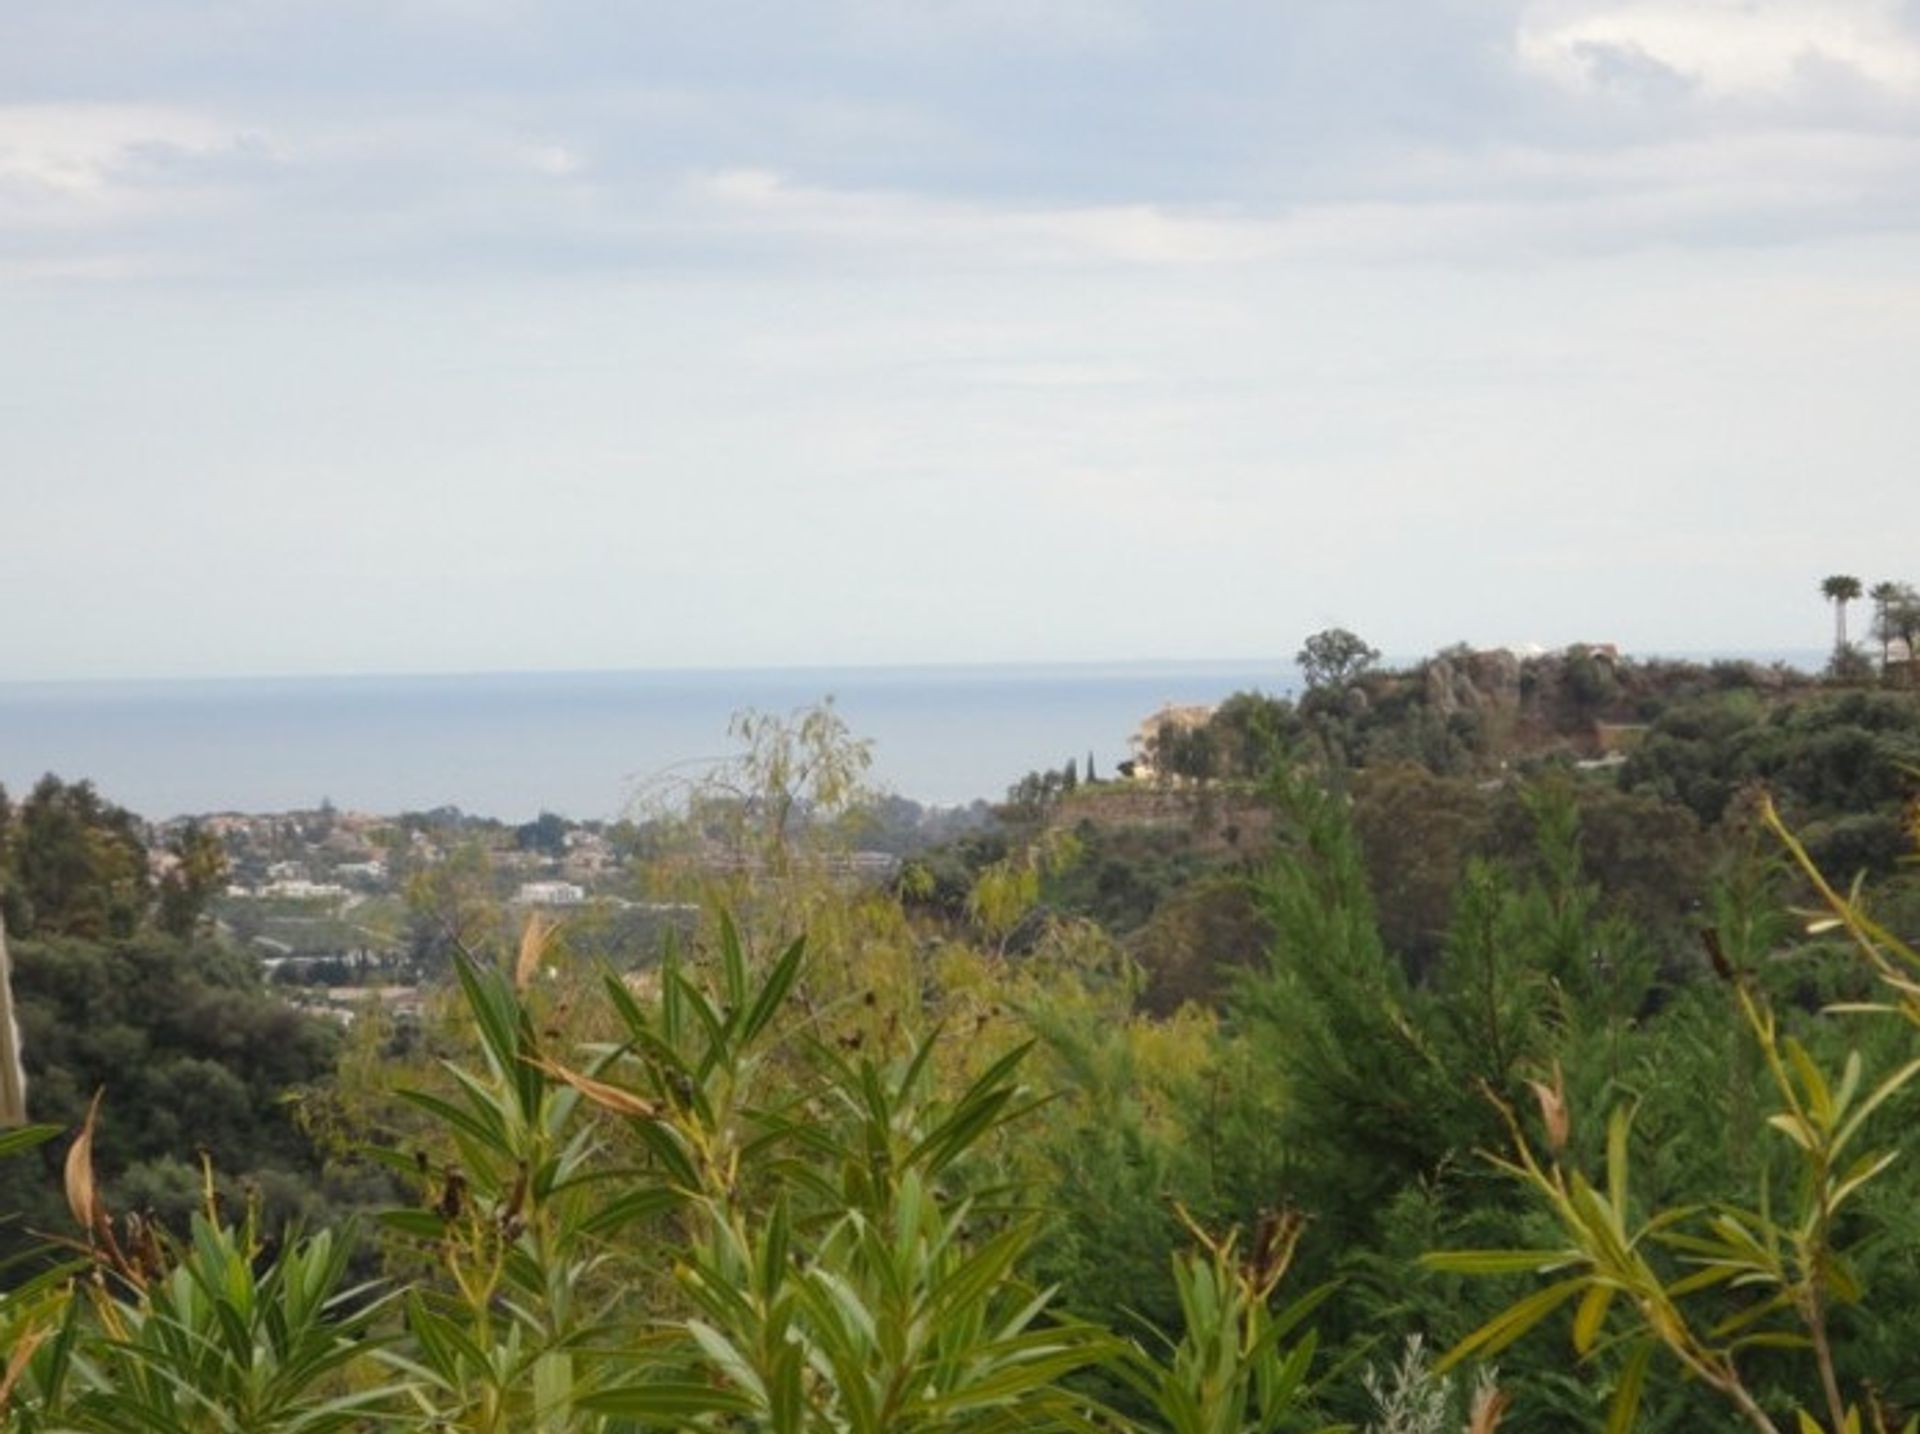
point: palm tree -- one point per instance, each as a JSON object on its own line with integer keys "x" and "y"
{"x": 1840, "y": 589}
{"x": 1884, "y": 596}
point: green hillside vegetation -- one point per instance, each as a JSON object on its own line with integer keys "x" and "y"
{"x": 1399, "y": 1058}
{"x": 117, "y": 987}
{"x": 1656, "y": 756}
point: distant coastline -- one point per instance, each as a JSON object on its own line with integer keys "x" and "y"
{"x": 510, "y": 745}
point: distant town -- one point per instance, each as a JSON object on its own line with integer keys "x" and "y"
{"x": 340, "y": 905}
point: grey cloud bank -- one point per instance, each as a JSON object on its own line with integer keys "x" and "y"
{"x": 436, "y": 336}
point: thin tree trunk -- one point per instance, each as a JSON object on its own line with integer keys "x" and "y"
{"x": 13, "y": 1076}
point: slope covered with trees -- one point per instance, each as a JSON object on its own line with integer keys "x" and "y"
{"x": 1375, "y": 1082}
{"x": 119, "y": 988}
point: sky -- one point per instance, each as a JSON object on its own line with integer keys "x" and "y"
{"x": 456, "y": 335}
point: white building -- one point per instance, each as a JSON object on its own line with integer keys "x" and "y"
{"x": 303, "y": 890}
{"x": 550, "y": 893}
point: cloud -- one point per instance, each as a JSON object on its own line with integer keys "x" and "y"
{"x": 1728, "y": 48}
{"x": 318, "y": 142}
{"x": 1128, "y": 310}
{"x": 78, "y": 163}
{"x": 1510, "y": 203}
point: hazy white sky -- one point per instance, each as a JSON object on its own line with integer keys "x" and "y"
{"x": 349, "y": 335}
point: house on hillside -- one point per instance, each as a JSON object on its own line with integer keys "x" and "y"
{"x": 1145, "y": 742}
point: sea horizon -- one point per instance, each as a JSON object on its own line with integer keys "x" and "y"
{"x": 796, "y": 669}
{"x": 587, "y": 743}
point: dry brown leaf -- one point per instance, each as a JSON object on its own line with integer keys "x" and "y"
{"x": 82, "y": 1197}
{"x": 1489, "y": 1406}
{"x": 534, "y": 937}
{"x": 17, "y": 1365}
{"x": 1553, "y": 1109}
{"x": 607, "y": 1097}
{"x": 1274, "y": 1241}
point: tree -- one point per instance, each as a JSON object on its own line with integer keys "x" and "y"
{"x": 1251, "y": 730}
{"x": 197, "y": 872}
{"x": 790, "y": 798}
{"x": 1788, "y": 1256}
{"x": 546, "y": 834}
{"x": 807, "y": 765}
{"x": 1840, "y": 589}
{"x": 452, "y": 905}
{"x": 1187, "y": 752}
{"x": 75, "y": 864}
{"x": 1896, "y": 618}
{"x": 1904, "y": 618}
{"x": 1335, "y": 657}
{"x": 1884, "y": 595}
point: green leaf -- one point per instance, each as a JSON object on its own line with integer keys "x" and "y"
{"x": 1511, "y": 1323}
{"x": 1624, "y": 1408}
{"x": 12, "y": 1142}
{"x": 1880, "y": 1094}
{"x": 1591, "y": 1315}
{"x": 726, "y": 1356}
{"x": 679, "y": 1402}
{"x": 1863, "y": 1170}
{"x": 492, "y": 1136}
{"x": 634, "y": 1205}
{"x": 1794, "y": 1128}
{"x": 1497, "y": 1262}
{"x": 1819, "y": 1097}
{"x": 733, "y": 961}
{"x": 1619, "y": 1126}
{"x": 420, "y": 1224}
{"x": 773, "y": 991}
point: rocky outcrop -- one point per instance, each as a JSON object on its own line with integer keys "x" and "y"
{"x": 1472, "y": 682}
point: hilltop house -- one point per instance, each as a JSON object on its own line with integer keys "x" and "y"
{"x": 1175, "y": 717}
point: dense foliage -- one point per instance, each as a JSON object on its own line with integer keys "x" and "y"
{"x": 1259, "y": 1098}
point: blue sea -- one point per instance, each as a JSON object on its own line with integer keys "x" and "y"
{"x": 584, "y": 744}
